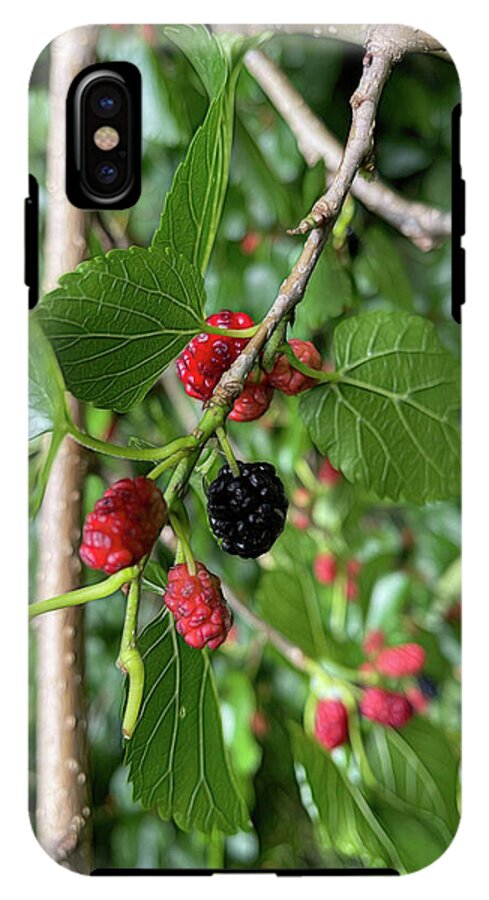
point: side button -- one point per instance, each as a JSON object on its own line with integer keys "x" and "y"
{"x": 31, "y": 238}
{"x": 461, "y": 208}
{"x": 458, "y": 284}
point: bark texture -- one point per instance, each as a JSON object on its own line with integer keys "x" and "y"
{"x": 63, "y": 787}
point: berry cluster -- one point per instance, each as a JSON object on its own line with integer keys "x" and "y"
{"x": 399, "y": 661}
{"x": 247, "y": 511}
{"x": 202, "y": 615}
{"x": 207, "y": 356}
{"x": 386, "y": 707}
{"x": 123, "y": 525}
{"x": 326, "y": 570}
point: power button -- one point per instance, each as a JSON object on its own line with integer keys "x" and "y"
{"x": 31, "y": 238}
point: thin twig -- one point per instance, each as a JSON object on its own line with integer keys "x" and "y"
{"x": 291, "y": 293}
{"x": 378, "y": 62}
{"x": 425, "y": 226}
{"x": 294, "y": 654}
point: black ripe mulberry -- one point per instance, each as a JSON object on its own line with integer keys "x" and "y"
{"x": 247, "y": 511}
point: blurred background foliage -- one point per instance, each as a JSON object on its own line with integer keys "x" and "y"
{"x": 409, "y": 582}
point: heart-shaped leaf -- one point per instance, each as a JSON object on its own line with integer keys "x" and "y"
{"x": 389, "y": 421}
{"x": 119, "y": 320}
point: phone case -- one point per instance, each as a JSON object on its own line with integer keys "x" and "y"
{"x": 245, "y": 459}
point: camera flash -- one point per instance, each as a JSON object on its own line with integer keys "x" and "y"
{"x": 106, "y": 138}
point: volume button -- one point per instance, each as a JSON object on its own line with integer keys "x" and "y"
{"x": 461, "y": 209}
{"x": 31, "y": 238}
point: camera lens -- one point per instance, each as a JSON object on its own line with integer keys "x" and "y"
{"x": 105, "y": 100}
{"x": 106, "y": 103}
{"x": 106, "y": 173}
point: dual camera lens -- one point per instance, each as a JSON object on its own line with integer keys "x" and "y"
{"x": 104, "y": 109}
{"x": 106, "y": 102}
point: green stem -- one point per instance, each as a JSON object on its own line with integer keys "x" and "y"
{"x": 339, "y": 605}
{"x": 183, "y": 542}
{"x": 39, "y": 488}
{"x": 317, "y": 374}
{"x": 215, "y": 856}
{"x": 232, "y": 332}
{"x": 227, "y": 450}
{"x": 167, "y": 464}
{"x": 357, "y": 745}
{"x": 85, "y": 594}
{"x": 144, "y": 454}
{"x": 212, "y": 419}
{"x": 274, "y": 345}
{"x": 130, "y": 660}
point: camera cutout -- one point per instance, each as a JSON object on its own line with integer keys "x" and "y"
{"x": 103, "y": 138}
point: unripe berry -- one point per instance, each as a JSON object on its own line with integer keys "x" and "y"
{"x": 124, "y": 525}
{"x": 417, "y": 699}
{"x": 301, "y": 498}
{"x": 254, "y": 400}
{"x": 290, "y": 381}
{"x": 327, "y": 474}
{"x": 331, "y": 723}
{"x": 250, "y": 242}
{"x": 260, "y": 725}
{"x": 300, "y": 520}
{"x": 367, "y": 667}
{"x": 208, "y": 356}
{"x": 325, "y": 568}
{"x": 353, "y": 568}
{"x": 396, "y": 662}
{"x": 373, "y": 642}
{"x": 386, "y": 707}
{"x": 202, "y": 615}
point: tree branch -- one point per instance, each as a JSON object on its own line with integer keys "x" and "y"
{"x": 401, "y": 38}
{"x": 378, "y": 61}
{"x": 423, "y": 225}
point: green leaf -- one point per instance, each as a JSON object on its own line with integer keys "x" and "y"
{"x": 177, "y": 759}
{"x": 346, "y": 821}
{"x": 119, "y": 320}
{"x": 154, "y": 577}
{"x": 288, "y": 601}
{"x": 418, "y": 767}
{"x": 238, "y": 705}
{"x": 329, "y": 293}
{"x": 193, "y": 206}
{"x": 204, "y": 52}
{"x": 389, "y": 422}
{"x": 47, "y": 408}
{"x": 364, "y": 826}
{"x": 380, "y": 270}
{"x": 417, "y": 844}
